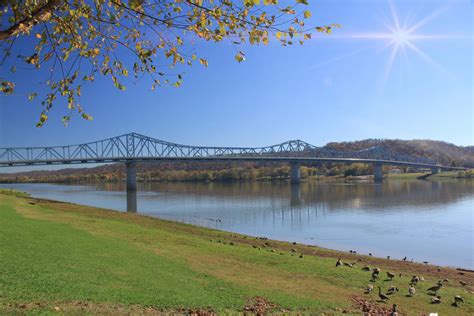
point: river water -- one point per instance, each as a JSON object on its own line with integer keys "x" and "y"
{"x": 424, "y": 220}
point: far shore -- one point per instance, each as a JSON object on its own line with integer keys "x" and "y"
{"x": 443, "y": 176}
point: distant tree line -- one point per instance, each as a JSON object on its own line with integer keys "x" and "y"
{"x": 189, "y": 173}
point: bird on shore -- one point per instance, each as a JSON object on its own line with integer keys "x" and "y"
{"x": 390, "y": 275}
{"x": 375, "y": 274}
{"x": 394, "y": 310}
{"x": 414, "y": 280}
{"x": 436, "y": 300}
{"x": 369, "y": 289}
{"x": 411, "y": 291}
{"x": 370, "y": 254}
{"x": 339, "y": 262}
{"x": 457, "y": 300}
{"x": 350, "y": 265}
{"x": 436, "y": 288}
{"x": 388, "y": 257}
{"x": 382, "y": 296}
{"x": 392, "y": 290}
{"x": 463, "y": 283}
{"x": 404, "y": 258}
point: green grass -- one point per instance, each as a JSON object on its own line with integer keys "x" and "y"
{"x": 70, "y": 258}
{"x": 445, "y": 175}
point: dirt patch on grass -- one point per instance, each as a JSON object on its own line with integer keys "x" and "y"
{"x": 369, "y": 307}
{"x": 82, "y": 307}
{"x": 260, "y": 306}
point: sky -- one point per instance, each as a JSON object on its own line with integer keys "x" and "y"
{"x": 340, "y": 87}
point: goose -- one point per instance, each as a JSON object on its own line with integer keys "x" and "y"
{"x": 458, "y": 300}
{"x": 392, "y": 290}
{"x": 394, "y": 310}
{"x": 382, "y": 296}
{"x": 463, "y": 283}
{"x": 390, "y": 275}
{"x": 436, "y": 288}
{"x": 375, "y": 274}
{"x": 369, "y": 289}
{"x": 339, "y": 262}
{"x": 370, "y": 254}
{"x": 366, "y": 268}
{"x": 411, "y": 290}
{"x": 436, "y": 300}
{"x": 414, "y": 280}
{"x": 388, "y": 257}
{"x": 404, "y": 258}
{"x": 446, "y": 280}
{"x": 347, "y": 264}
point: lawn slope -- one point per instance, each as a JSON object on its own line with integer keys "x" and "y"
{"x": 60, "y": 257}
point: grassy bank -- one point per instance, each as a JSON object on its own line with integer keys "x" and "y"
{"x": 59, "y": 257}
{"x": 445, "y": 175}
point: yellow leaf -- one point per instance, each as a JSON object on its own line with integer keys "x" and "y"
{"x": 307, "y": 14}
{"x": 239, "y": 57}
{"x": 38, "y": 35}
{"x": 279, "y": 35}
{"x": 203, "y": 61}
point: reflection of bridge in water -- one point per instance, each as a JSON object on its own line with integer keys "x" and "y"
{"x": 132, "y": 148}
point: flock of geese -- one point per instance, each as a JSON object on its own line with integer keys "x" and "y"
{"x": 384, "y": 297}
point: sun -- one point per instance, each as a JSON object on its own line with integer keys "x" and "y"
{"x": 400, "y": 37}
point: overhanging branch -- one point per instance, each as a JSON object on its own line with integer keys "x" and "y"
{"x": 40, "y": 14}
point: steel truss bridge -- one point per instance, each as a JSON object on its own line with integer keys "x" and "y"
{"x": 131, "y": 148}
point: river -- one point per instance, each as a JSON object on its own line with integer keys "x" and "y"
{"x": 423, "y": 220}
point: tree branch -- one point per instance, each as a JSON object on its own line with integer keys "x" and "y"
{"x": 41, "y": 14}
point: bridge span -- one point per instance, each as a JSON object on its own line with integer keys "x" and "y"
{"x": 132, "y": 148}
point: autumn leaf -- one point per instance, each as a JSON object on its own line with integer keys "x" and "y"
{"x": 240, "y": 57}
{"x": 203, "y": 61}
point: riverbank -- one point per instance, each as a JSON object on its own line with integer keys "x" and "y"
{"x": 61, "y": 257}
{"x": 283, "y": 177}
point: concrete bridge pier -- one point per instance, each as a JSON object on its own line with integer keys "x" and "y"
{"x": 295, "y": 196}
{"x": 378, "y": 173}
{"x": 295, "y": 174}
{"x": 435, "y": 170}
{"x": 131, "y": 172}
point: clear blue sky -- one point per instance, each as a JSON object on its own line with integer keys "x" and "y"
{"x": 334, "y": 88}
